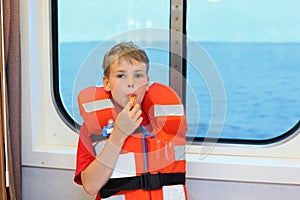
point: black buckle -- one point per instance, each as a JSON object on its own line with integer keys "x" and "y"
{"x": 150, "y": 181}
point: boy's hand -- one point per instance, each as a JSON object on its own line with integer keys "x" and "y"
{"x": 129, "y": 119}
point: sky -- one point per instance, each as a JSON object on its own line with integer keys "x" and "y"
{"x": 207, "y": 20}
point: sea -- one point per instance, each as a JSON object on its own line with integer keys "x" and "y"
{"x": 248, "y": 91}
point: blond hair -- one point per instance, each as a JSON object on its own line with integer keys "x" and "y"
{"x": 127, "y": 51}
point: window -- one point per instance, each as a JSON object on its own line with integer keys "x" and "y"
{"x": 87, "y": 30}
{"x": 254, "y": 45}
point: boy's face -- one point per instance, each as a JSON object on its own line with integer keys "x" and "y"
{"x": 126, "y": 78}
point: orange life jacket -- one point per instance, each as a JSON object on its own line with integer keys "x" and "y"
{"x": 152, "y": 162}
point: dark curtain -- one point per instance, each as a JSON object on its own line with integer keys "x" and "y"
{"x": 6, "y": 183}
{"x": 12, "y": 57}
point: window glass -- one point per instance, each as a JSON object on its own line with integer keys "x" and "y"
{"x": 87, "y": 30}
{"x": 255, "y": 46}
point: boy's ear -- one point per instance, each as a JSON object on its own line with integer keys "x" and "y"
{"x": 106, "y": 84}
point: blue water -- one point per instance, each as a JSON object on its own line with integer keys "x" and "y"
{"x": 261, "y": 82}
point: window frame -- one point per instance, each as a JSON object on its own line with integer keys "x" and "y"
{"x": 46, "y": 139}
{"x": 44, "y": 132}
{"x": 55, "y": 72}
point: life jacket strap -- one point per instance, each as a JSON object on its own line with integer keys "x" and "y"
{"x": 146, "y": 181}
{"x": 100, "y": 137}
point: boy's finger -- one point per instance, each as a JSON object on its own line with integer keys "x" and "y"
{"x": 136, "y": 114}
{"x": 139, "y": 121}
{"x": 135, "y": 109}
{"x": 128, "y": 106}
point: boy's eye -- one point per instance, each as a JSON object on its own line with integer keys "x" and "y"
{"x": 139, "y": 75}
{"x": 120, "y": 75}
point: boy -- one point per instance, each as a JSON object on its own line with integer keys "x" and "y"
{"x": 125, "y": 76}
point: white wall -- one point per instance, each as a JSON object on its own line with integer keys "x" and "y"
{"x": 55, "y": 184}
{"x": 50, "y": 184}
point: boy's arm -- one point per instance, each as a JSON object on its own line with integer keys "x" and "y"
{"x": 99, "y": 171}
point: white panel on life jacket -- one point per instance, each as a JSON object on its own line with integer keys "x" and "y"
{"x": 125, "y": 166}
{"x": 173, "y": 192}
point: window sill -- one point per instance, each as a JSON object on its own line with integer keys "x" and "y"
{"x": 245, "y": 169}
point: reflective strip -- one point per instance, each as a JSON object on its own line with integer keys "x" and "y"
{"x": 168, "y": 110}
{"x": 179, "y": 152}
{"x": 119, "y": 197}
{"x": 125, "y": 166}
{"x": 173, "y": 192}
{"x": 97, "y": 105}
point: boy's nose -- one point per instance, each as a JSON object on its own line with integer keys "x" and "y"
{"x": 130, "y": 82}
